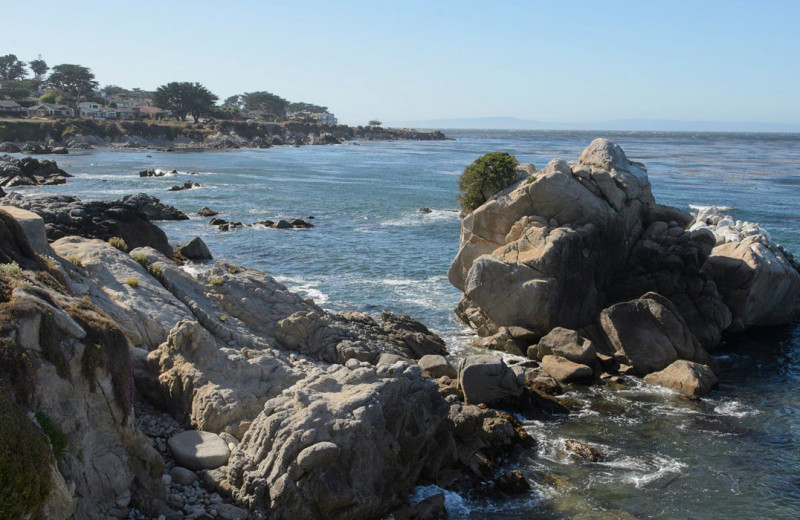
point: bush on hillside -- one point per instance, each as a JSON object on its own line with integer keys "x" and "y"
{"x": 483, "y": 178}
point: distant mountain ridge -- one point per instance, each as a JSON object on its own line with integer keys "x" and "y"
{"x": 655, "y": 125}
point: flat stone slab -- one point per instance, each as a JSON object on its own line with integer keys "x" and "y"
{"x": 199, "y": 450}
{"x": 33, "y": 227}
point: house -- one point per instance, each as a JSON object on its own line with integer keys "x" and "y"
{"x": 126, "y": 113}
{"x": 11, "y": 108}
{"x": 325, "y": 118}
{"x": 91, "y": 110}
{"x": 50, "y": 110}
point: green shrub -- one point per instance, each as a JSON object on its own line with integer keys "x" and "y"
{"x": 142, "y": 260}
{"x": 57, "y": 438}
{"x": 216, "y": 281}
{"x": 74, "y": 260}
{"x": 133, "y": 282}
{"x": 25, "y": 461}
{"x": 118, "y": 243}
{"x": 483, "y": 178}
{"x": 156, "y": 272}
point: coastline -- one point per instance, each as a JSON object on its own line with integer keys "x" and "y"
{"x": 43, "y": 137}
{"x": 212, "y": 286}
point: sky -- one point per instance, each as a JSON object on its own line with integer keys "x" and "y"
{"x": 409, "y": 60}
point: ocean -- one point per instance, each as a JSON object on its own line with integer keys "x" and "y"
{"x": 733, "y": 454}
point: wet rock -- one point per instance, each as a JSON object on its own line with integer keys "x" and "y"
{"x": 188, "y": 185}
{"x": 585, "y": 452}
{"x": 567, "y": 344}
{"x": 432, "y": 508}
{"x": 205, "y": 211}
{"x": 425, "y": 209}
{"x": 195, "y": 249}
{"x": 509, "y": 484}
{"x": 686, "y": 377}
{"x": 564, "y": 370}
{"x": 150, "y": 172}
{"x": 282, "y": 224}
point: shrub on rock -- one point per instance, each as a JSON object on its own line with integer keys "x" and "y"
{"x": 483, "y": 178}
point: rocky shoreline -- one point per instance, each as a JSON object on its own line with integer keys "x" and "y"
{"x": 58, "y": 137}
{"x": 147, "y": 392}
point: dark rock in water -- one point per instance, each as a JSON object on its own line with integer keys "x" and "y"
{"x": 265, "y": 223}
{"x": 127, "y": 218}
{"x": 300, "y": 223}
{"x": 150, "y": 172}
{"x": 8, "y": 147}
{"x": 30, "y": 172}
{"x": 584, "y": 451}
{"x": 59, "y": 150}
{"x": 205, "y": 211}
{"x": 510, "y": 483}
{"x": 425, "y": 209}
{"x": 230, "y": 226}
{"x": 188, "y": 185}
{"x": 282, "y": 224}
{"x": 432, "y": 508}
{"x": 152, "y": 207}
{"x": 196, "y": 249}
{"x": 218, "y": 221}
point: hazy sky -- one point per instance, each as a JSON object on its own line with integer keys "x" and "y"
{"x": 398, "y": 60}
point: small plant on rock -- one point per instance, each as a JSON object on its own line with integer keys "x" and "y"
{"x": 11, "y": 269}
{"x": 118, "y": 243}
{"x": 133, "y": 282}
{"x": 74, "y": 260}
{"x": 216, "y": 281}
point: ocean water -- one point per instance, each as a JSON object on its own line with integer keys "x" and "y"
{"x": 733, "y": 454}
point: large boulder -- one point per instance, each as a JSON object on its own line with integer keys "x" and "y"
{"x": 565, "y": 371}
{"x": 486, "y": 379}
{"x": 197, "y": 450}
{"x": 567, "y": 344}
{"x": 757, "y": 281}
{"x": 686, "y": 377}
{"x": 649, "y": 334}
{"x": 195, "y": 249}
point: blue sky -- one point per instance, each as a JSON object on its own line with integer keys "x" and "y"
{"x": 411, "y": 60}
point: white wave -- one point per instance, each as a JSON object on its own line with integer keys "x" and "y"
{"x": 195, "y": 269}
{"x": 734, "y": 409}
{"x": 642, "y": 472}
{"x": 305, "y": 288}
{"x": 418, "y": 218}
{"x": 453, "y": 502}
{"x": 701, "y": 207}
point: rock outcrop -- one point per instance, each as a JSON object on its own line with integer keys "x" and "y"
{"x": 582, "y": 248}
{"x": 30, "y": 172}
{"x": 127, "y": 218}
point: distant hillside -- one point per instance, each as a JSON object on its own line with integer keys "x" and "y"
{"x": 655, "y": 125}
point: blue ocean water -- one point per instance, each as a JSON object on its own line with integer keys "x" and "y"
{"x": 731, "y": 455}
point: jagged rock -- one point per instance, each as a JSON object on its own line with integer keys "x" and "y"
{"x": 205, "y": 211}
{"x": 8, "y": 147}
{"x": 649, "y": 334}
{"x": 431, "y": 508}
{"x": 564, "y": 370}
{"x": 686, "y": 377}
{"x": 145, "y": 313}
{"x": 188, "y": 185}
{"x": 30, "y": 172}
{"x": 567, "y": 344}
{"x": 583, "y": 451}
{"x": 487, "y": 379}
{"x": 195, "y": 249}
{"x": 557, "y": 248}
{"x": 434, "y": 366}
{"x": 78, "y": 375}
{"x": 127, "y": 218}
{"x": 150, "y": 172}
{"x": 757, "y": 282}
{"x": 197, "y": 450}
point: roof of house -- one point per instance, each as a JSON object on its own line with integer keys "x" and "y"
{"x": 51, "y": 106}
{"x": 8, "y": 103}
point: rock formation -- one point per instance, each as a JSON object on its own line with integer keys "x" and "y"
{"x": 583, "y": 246}
{"x": 127, "y": 218}
{"x": 299, "y": 412}
{"x": 30, "y": 172}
